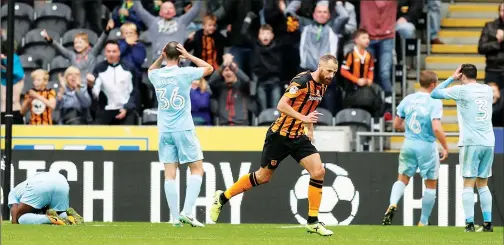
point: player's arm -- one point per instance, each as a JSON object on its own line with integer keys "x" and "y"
{"x": 157, "y": 64}
{"x": 400, "y": 115}
{"x": 399, "y": 123}
{"x": 440, "y": 92}
{"x": 440, "y": 135}
{"x": 293, "y": 91}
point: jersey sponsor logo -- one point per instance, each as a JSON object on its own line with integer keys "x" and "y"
{"x": 293, "y": 90}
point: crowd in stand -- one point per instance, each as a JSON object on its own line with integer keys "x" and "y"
{"x": 255, "y": 47}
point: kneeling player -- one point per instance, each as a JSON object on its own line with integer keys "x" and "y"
{"x": 422, "y": 116}
{"x": 42, "y": 199}
{"x": 286, "y": 137}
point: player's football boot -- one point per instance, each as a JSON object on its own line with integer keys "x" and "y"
{"x": 469, "y": 227}
{"x": 486, "y": 227}
{"x": 73, "y": 217}
{"x": 54, "y": 218}
{"x": 389, "y": 215}
{"x": 318, "y": 228}
{"x": 178, "y": 224}
{"x": 186, "y": 219}
{"x": 216, "y": 206}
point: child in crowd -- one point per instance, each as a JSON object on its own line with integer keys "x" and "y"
{"x": 132, "y": 50}
{"x": 41, "y": 101}
{"x": 207, "y": 43}
{"x": 83, "y": 56}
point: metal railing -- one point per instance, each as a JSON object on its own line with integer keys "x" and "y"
{"x": 373, "y": 135}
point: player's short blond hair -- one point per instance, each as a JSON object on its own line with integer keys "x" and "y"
{"x": 40, "y": 73}
{"x": 128, "y": 26}
{"x": 328, "y": 57}
{"x": 427, "y": 78}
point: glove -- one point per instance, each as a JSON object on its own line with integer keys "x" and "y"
{"x": 292, "y": 24}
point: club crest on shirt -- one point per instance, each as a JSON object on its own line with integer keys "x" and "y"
{"x": 38, "y": 107}
{"x": 293, "y": 90}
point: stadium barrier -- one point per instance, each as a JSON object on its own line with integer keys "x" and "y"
{"x": 136, "y": 138}
{"x": 128, "y": 186}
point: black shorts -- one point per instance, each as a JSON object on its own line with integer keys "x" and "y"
{"x": 276, "y": 148}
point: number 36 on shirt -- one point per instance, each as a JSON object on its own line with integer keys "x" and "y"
{"x": 174, "y": 101}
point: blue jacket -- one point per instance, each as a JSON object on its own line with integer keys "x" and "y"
{"x": 135, "y": 54}
{"x": 18, "y": 72}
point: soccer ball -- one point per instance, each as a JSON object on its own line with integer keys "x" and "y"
{"x": 340, "y": 200}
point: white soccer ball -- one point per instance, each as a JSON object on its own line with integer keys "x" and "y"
{"x": 338, "y": 191}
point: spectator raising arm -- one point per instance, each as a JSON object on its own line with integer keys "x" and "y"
{"x": 143, "y": 14}
{"x": 188, "y": 17}
{"x": 351, "y": 25}
{"x": 342, "y": 18}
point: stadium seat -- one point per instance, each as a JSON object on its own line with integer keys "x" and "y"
{"x": 115, "y": 34}
{"x": 149, "y": 117}
{"x": 58, "y": 65}
{"x": 23, "y": 17}
{"x": 326, "y": 119}
{"x": 145, "y": 38}
{"x": 357, "y": 119}
{"x": 33, "y": 43}
{"x": 267, "y": 117}
{"x": 68, "y": 37}
{"x": 53, "y": 16}
{"x": 30, "y": 63}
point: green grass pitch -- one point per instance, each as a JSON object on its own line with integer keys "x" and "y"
{"x": 253, "y": 234}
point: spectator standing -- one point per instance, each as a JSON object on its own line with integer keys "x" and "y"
{"x": 378, "y": 17}
{"x": 232, "y": 87}
{"x": 491, "y": 45}
{"x": 88, "y": 11}
{"x": 321, "y": 36}
{"x": 238, "y": 14}
{"x": 83, "y": 56}
{"x": 125, "y": 14}
{"x": 497, "y": 106}
{"x": 40, "y": 101}
{"x": 167, "y": 27}
{"x": 357, "y": 69}
{"x": 407, "y": 17}
{"x": 73, "y": 100}
{"x": 118, "y": 81}
{"x": 18, "y": 84}
{"x": 132, "y": 50}
{"x": 434, "y": 9}
{"x": 207, "y": 43}
{"x": 266, "y": 67}
{"x": 200, "y": 102}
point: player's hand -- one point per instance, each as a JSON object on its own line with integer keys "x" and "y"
{"x": 122, "y": 114}
{"x": 500, "y": 35}
{"x": 311, "y": 118}
{"x": 443, "y": 155}
{"x": 456, "y": 75}
{"x": 182, "y": 50}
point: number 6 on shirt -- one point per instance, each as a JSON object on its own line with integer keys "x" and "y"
{"x": 176, "y": 101}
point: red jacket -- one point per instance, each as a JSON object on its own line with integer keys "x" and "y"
{"x": 378, "y": 17}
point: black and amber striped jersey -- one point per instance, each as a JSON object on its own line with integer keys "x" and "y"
{"x": 358, "y": 64}
{"x": 41, "y": 114}
{"x": 305, "y": 95}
